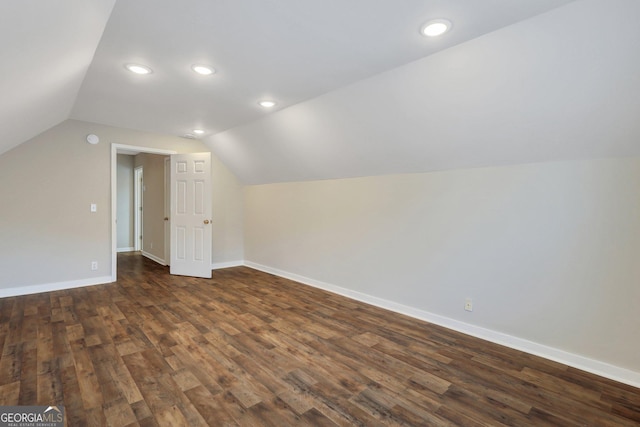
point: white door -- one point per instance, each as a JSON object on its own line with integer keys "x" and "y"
{"x": 191, "y": 214}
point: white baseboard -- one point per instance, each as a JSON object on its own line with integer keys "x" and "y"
{"x": 49, "y": 287}
{"x": 597, "y": 367}
{"x": 226, "y": 264}
{"x": 153, "y": 258}
{"x": 214, "y": 266}
{"x": 583, "y": 363}
{"x": 130, "y": 249}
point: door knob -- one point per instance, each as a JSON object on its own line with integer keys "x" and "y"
{"x": 166, "y": 218}
{"x": 206, "y": 221}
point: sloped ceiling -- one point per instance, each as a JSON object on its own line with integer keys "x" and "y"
{"x": 46, "y": 48}
{"x": 560, "y": 86}
{"x": 286, "y": 50}
{"x": 359, "y": 90}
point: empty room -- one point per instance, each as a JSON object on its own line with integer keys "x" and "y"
{"x": 320, "y": 213}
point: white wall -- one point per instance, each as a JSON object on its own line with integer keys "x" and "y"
{"x": 125, "y": 203}
{"x": 48, "y": 236}
{"x": 548, "y": 251}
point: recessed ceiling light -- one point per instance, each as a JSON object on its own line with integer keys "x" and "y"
{"x": 198, "y": 131}
{"x": 138, "y": 69}
{"x": 203, "y": 69}
{"x": 435, "y": 27}
{"x": 267, "y": 104}
{"x": 189, "y": 136}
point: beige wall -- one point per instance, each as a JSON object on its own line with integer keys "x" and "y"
{"x": 48, "y": 234}
{"x": 153, "y": 199}
{"x": 125, "y": 203}
{"x": 47, "y": 185}
{"x": 228, "y": 208}
{"x": 548, "y": 252}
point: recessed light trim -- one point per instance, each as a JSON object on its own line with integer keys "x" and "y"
{"x": 138, "y": 69}
{"x": 435, "y": 27}
{"x": 203, "y": 70}
{"x": 267, "y": 104}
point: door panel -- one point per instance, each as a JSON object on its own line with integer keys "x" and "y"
{"x": 191, "y": 214}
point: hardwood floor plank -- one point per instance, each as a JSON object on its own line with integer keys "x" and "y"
{"x": 316, "y": 418}
{"x": 119, "y": 413}
{"x": 28, "y": 373}
{"x": 10, "y": 362}
{"x": 90, "y": 390}
{"x": 300, "y": 402}
{"x": 211, "y": 407}
{"x": 61, "y": 347}
{"x": 171, "y": 416}
{"x": 9, "y": 393}
{"x": 123, "y": 380}
{"x": 74, "y": 408}
{"x": 142, "y": 412}
{"x": 250, "y": 349}
{"x": 197, "y": 364}
{"x": 50, "y": 390}
{"x": 268, "y": 377}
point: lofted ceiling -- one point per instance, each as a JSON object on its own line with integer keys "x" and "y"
{"x": 285, "y": 50}
{"x": 46, "y": 48}
{"x": 354, "y": 81}
{"x": 563, "y": 85}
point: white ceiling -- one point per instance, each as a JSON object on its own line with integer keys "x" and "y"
{"x": 563, "y": 85}
{"x": 359, "y": 90}
{"x": 46, "y": 47}
{"x": 288, "y": 50}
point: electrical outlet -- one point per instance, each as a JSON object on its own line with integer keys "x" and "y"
{"x": 468, "y": 304}
{"x": 94, "y": 265}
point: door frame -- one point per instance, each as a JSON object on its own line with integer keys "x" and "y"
{"x": 115, "y": 150}
{"x": 138, "y": 183}
{"x": 167, "y": 210}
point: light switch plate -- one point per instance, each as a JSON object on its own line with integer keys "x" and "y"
{"x": 94, "y": 207}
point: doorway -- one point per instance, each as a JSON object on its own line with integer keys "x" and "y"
{"x": 131, "y": 150}
{"x": 188, "y": 216}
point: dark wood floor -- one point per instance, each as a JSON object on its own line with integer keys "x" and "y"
{"x": 247, "y": 348}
